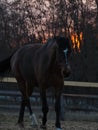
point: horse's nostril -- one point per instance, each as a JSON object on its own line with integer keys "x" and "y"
{"x": 67, "y": 71}
{"x": 68, "y": 66}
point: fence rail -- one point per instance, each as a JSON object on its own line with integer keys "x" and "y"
{"x": 77, "y": 95}
{"x": 68, "y": 83}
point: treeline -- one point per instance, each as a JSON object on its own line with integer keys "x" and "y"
{"x": 32, "y": 21}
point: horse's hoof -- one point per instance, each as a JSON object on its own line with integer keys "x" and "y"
{"x": 58, "y": 129}
{"x": 44, "y": 127}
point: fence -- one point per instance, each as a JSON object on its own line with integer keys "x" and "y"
{"x": 76, "y": 96}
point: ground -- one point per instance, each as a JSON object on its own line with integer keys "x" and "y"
{"x": 8, "y": 121}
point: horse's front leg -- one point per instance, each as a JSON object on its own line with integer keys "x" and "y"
{"x": 45, "y": 109}
{"x": 57, "y": 110}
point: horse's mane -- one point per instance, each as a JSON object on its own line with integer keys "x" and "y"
{"x": 50, "y": 43}
{"x": 63, "y": 42}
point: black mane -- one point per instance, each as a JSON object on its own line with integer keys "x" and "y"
{"x": 62, "y": 42}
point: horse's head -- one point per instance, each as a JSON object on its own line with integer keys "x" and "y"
{"x": 64, "y": 51}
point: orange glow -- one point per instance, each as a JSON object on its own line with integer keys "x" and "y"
{"x": 76, "y": 41}
{"x": 75, "y": 38}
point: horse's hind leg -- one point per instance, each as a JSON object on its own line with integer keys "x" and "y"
{"x": 29, "y": 106}
{"x": 21, "y": 113}
{"x": 32, "y": 115}
{"x": 45, "y": 109}
{"x": 25, "y": 102}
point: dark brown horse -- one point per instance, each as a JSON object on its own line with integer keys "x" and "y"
{"x": 42, "y": 66}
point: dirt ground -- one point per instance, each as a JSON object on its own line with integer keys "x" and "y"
{"x": 8, "y": 122}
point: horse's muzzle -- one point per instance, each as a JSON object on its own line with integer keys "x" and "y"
{"x": 67, "y": 70}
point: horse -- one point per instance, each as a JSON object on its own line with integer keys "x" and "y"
{"x": 43, "y": 66}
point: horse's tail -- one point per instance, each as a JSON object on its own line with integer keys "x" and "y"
{"x": 5, "y": 64}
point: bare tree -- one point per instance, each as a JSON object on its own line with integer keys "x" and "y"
{"x": 23, "y": 22}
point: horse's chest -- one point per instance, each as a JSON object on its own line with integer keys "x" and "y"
{"x": 53, "y": 79}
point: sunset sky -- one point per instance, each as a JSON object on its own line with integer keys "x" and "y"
{"x": 92, "y": 5}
